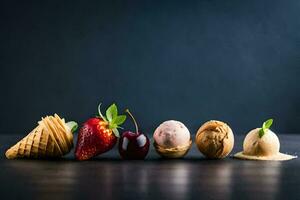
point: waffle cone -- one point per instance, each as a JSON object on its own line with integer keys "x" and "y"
{"x": 51, "y": 138}
{"x": 176, "y": 152}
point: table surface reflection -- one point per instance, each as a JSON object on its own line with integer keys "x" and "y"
{"x": 108, "y": 177}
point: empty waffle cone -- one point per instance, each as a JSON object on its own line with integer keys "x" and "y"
{"x": 51, "y": 138}
{"x": 176, "y": 152}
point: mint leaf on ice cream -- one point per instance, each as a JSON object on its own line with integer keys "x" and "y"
{"x": 266, "y": 125}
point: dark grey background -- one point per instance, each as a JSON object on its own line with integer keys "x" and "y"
{"x": 237, "y": 61}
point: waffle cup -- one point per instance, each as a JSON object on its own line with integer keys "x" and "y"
{"x": 175, "y": 152}
{"x": 52, "y": 138}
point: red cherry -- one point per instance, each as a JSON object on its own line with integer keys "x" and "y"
{"x": 133, "y": 145}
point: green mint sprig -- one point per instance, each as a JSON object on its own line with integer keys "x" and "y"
{"x": 112, "y": 118}
{"x": 266, "y": 125}
{"x": 72, "y": 126}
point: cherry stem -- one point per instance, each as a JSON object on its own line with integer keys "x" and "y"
{"x": 136, "y": 126}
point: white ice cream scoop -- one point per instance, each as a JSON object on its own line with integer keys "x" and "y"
{"x": 172, "y": 139}
{"x": 171, "y": 134}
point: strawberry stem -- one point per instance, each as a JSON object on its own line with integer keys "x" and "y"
{"x": 100, "y": 114}
{"x": 136, "y": 126}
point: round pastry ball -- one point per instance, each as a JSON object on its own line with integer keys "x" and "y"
{"x": 215, "y": 139}
{"x": 262, "y": 148}
{"x": 172, "y": 134}
{"x": 268, "y": 145}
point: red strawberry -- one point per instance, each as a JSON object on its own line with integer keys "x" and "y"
{"x": 98, "y": 135}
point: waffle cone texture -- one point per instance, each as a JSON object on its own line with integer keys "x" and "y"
{"x": 176, "y": 152}
{"x": 52, "y": 138}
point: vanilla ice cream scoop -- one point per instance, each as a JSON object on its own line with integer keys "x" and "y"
{"x": 262, "y": 145}
{"x": 172, "y": 134}
{"x": 172, "y": 139}
{"x": 266, "y": 146}
{"x": 215, "y": 139}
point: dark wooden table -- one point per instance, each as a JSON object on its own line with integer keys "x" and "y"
{"x": 108, "y": 177}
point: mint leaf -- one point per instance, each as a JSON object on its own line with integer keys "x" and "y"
{"x": 119, "y": 119}
{"x": 261, "y": 133}
{"x": 266, "y": 125}
{"x": 112, "y": 112}
{"x": 72, "y": 126}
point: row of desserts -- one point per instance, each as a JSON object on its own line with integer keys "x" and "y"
{"x": 53, "y": 137}
{"x": 215, "y": 140}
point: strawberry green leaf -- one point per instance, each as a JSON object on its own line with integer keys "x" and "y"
{"x": 120, "y": 127}
{"x": 119, "y": 119}
{"x": 113, "y": 126}
{"x": 266, "y": 125}
{"x": 112, "y": 118}
{"x": 116, "y": 132}
{"x": 112, "y": 112}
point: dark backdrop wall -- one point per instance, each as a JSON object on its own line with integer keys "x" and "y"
{"x": 237, "y": 61}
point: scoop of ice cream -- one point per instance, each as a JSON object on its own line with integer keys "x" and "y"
{"x": 171, "y": 134}
{"x": 215, "y": 139}
{"x": 267, "y": 145}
